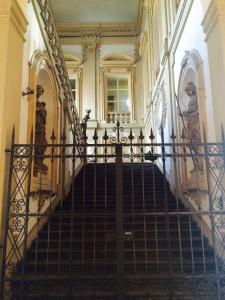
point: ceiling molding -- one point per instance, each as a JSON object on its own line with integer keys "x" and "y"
{"x": 102, "y": 29}
{"x": 72, "y": 58}
{"x": 103, "y": 40}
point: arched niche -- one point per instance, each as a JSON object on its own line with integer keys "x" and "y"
{"x": 41, "y": 74}
{"x": 191, "y": 117}
{"x": 117, "y": 59}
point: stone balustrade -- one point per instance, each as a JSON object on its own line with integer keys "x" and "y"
{"x": 122, "y": 117}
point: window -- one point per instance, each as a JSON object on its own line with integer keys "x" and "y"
{"x": 117, "y": 90}
{"x": 118, "y": 100}
{"x": 73, "y": 85}
{"x": 118, "y": 95}
{"x": 74, "y": 80}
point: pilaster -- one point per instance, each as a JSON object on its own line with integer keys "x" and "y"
{"x": 90, "y": 54}
{"x": 12, "y": 29}
{"x": 214, "y": 28}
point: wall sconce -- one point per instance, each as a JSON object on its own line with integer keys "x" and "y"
{"x": 29, "y": 91}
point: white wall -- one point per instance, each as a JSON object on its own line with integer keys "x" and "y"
{"x": 193, "y": 38}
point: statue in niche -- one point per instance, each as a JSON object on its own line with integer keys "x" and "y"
{"x": 192, "y": 131}
{"x": 40, "y": 133}
{"x": 84, "y": 122}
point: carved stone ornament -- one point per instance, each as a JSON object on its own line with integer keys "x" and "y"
{"x": 185, "y": 59}
{"x": 84, "y": 122}
{"x": 191, "y": 131}
{"x": 40, "y": 133}
{"x": 41, "y": 196}
{"x": 161, "y": 108}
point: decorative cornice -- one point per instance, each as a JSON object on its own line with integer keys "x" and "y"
{"x": 117, "y": 60}
{"x": 12, "y": 11}
{"x": 92, "y": 30}
{"x": 215, "y": 10}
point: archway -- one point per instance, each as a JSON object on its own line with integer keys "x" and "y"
{"x": 191, "y": 120}
{"x": 44, "y": 123}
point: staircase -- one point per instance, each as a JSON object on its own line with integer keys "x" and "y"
{"x": 74, "y": 256}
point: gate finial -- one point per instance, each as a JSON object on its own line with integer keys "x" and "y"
{"x": 152, "y": 137}
{"x": 95, "y": 136}
{"x": 173, "y": 136}
{"x": 105, "y": 136}
{"x": 141, "y": 136}
{"x": 53, "y": 137}
{"x": 131, "y": 136}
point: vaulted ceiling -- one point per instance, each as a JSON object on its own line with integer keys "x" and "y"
{"x": 106, "y": 17}
{"x": 95, "y": 11}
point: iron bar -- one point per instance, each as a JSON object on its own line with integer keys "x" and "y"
{"x": 26, "y": 221}
{"x": 6, "y": 216}
{"x": 119, "y": 223}
{"x": 150, "y": 218}
{"x": 167, "y": 216}
{"x": 211, "y": 209}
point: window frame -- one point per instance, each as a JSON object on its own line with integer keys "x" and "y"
{"x": 130, "y": 77}
{"x": 117, "y": 90}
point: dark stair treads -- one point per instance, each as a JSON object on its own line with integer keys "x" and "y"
{"x": 74, "y": 255}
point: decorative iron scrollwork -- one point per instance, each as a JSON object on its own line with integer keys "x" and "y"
{"x": 151, "y": 156}
{"x": 118, "y": 139}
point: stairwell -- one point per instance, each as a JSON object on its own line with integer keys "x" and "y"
{"x": 74, "y": 256}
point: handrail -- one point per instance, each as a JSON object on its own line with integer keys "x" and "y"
{"x": 45, "y": 19}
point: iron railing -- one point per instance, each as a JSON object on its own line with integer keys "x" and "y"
{"x": 136, "y": 210}
{"x": 45, "y": 19}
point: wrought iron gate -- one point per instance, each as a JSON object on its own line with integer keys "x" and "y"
{"x": 148, "y": 218}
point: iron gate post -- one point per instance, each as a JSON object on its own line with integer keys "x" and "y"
{"x": 212, "y": 213}
{"x": 119, "y": 222}
{"x": 6, "y": 216}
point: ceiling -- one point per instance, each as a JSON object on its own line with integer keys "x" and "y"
{"x": 72, "y": 15}
{"x": 95, "y": 11}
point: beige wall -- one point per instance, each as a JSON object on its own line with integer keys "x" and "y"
{"x": 12, "y": 28}
{"x": 214, "y": 28}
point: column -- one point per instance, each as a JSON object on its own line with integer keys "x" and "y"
{"x": 90, "y": 78}
{"x": 214, "y": 28}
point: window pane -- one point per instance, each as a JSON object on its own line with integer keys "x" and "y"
{"x": 73, "y": 84}
{"x": 112, "y": 96}
{"x": 112, "y": 83}
{"x": 124, "y": 106}
{"x": 111, "y": 107}
{"x": 74, "y": 94}
{"x": 123, "y": 95}
{"x": 123, "y": 84}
